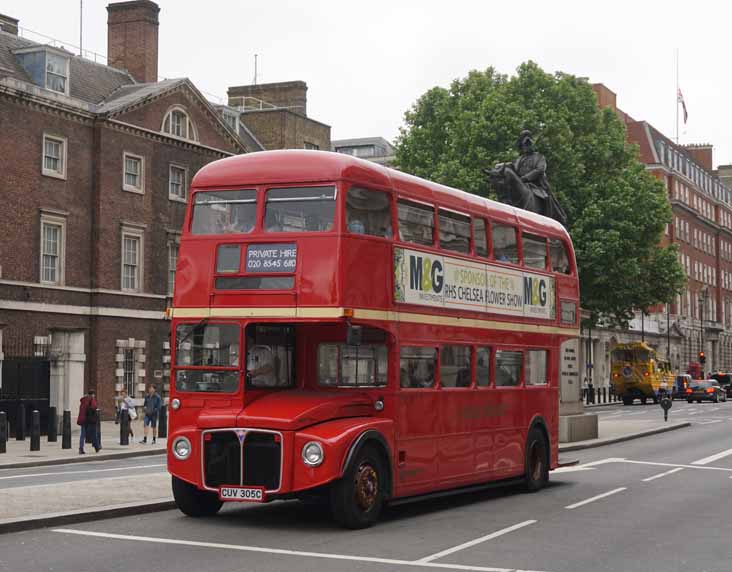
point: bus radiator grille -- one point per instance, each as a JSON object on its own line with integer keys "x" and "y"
{"x": 262, "y": 458}
{"x": 222, "y": 459}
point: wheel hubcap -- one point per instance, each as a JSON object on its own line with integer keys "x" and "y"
{"x": 536, "y": 462}
{"x": 367, "y": 486}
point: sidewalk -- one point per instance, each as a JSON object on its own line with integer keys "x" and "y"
{"x": 19, "y": 454}
{"x": 617, "y": 429}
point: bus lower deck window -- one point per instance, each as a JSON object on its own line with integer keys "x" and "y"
{"x": 417, "y": 367}
{"x": 300, "y": 209}
{"x": 368, "y": 212}
{"x": 352, "y": 366}
{"x": 536, "y": 363}
{"x": 505, "y": 247}
{"x": 483, "y": 367}
{"x": 224, "y": 212}
{"x": 508, "y": 368}
{"x": 455, "y": 366}
{"x": 416, "y": 222}
{"x": 270, "y": 359}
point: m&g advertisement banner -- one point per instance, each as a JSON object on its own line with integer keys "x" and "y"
{"x": 442, "y": 281}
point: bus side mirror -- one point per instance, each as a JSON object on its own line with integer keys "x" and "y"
{"x": 353, "y": 335}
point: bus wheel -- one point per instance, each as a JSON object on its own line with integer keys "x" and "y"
{"x": 644, "y": 400}
{"x": 627, "y": 401}
{"x": 357, "y": 498}
{"x": 537, "y": 461}
{"x": 194, "y": 502}
{"x": 655, "y": 400}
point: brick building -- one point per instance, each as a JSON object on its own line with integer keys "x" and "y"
{"x": 700, "y": 319}
{"x": 276, "y": 115}
{"x": 96, "y": 165}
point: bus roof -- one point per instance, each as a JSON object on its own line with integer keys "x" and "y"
{"x": 298, "y": 166}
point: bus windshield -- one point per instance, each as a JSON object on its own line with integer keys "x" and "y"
{"x": 207, "y": 356}
{"x": 639, "y": 356}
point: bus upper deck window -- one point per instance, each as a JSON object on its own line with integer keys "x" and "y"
{"x": 534, "y": 251}
{"x": 224, "y": 212}
{"x": 454, "y": 231}
{"x": 416, "y": 222}
{"x": 300, "y": 209}
{"x": 558, "y": 256}
{"x": 479, "y": 235}
{"x": 368, "y": 212}
{"x": 505, "y": 248}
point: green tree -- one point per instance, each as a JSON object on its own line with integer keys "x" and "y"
{"x": 616, "y": 209}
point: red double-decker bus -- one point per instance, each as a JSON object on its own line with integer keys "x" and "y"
{"x": 345, "y": 332}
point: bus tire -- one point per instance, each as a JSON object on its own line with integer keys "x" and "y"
{"x": 194, "y": 502}
{"x": 357, "y": 498}
{"x": 644, "y": 400}
{"x": 627, "y": 401}
{"x": 536, "y": 467}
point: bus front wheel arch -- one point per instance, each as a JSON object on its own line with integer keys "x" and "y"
{"x": 194, "y": 502}
{"x": 357, "y": 497}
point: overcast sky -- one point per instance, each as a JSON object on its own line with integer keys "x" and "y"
{"x": 366, "y": 62}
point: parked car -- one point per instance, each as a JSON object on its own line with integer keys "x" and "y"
{"x": 725, "y": 380}
{"x": 681, "y": 383}
{"x": 706, "y": 390}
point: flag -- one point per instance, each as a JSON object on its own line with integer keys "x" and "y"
{"x": 680, "y": 99}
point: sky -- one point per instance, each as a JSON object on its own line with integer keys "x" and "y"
{"x": 367, "y": 62}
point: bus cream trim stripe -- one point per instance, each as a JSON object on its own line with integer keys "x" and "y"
{"x": 381, "y": 315}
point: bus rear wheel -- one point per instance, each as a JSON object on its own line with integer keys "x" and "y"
{"x": 627, "y": 401}
{"x": 537, "y": 461}
{"x": 357, "y": 498}
{"x": 194, "y": 502}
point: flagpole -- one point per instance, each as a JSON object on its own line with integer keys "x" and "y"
{"x": 677, "y": 96}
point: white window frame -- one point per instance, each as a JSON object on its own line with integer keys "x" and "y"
{"x": 46, "y": 72}
{"x": 138, "y": 233}
{"x": 174, "y": 241}
{"x": 58, "y": 220}
{"x": 63, "y": 141}
{"x": 191, "y": 131}
{"x": 132, "y": 188}
{"x": 171, "y": 195}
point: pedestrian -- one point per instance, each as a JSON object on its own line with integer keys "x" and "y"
{"x": 151, "y": 406}
{"x": 87, "y": 420}
{"x": 126, "y": 404}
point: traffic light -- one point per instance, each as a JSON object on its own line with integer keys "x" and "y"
{"x": 702, "y": 358}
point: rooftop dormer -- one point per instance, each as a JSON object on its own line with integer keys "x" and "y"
{"x": 48, "y": 67}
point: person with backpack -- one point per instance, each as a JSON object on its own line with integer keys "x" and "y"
{"x": 87, "y": 420}
{"x": 151, "y": 406}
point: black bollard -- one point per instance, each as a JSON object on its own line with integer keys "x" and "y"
{"x": 3, "y": 431}
{"x": 35, "y": 435}
{"x": 604, "y": 394}
{"x": 52, "y": 425}
{"x": 66, "y": 430}
{"x": 124, "y": 427}
{"x": 163, "y": 422}
{"x": 20, "y": 424}
{"x": 99, "y": 428}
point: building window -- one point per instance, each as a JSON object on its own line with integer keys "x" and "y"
{"x": 132, "y": 259}
{"x": 172, "y": 263}
{"x": 54, "y": 156}
{"x": 133, "y": 179}
{"x": 128, "y": 368}
{"x": 312, "y": 146}
{"x": 57, "y": 73}
{"x": 178, "y": 124}
{"x": 53, "y": 248}
{"x": 177, "y": 183}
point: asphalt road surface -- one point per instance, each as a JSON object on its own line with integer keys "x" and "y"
{"x": 660, "y": 503}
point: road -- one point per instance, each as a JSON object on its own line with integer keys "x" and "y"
{"x": 660, "y": 503}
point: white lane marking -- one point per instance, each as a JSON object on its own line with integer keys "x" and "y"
{"x": 603, "y": 462}
{"x": 485, "y": 538}
{"x": 571, "y": 469}
{"x": 708, "y": 422}
{"x": 596, "y": 497}
{"x": 80, "y": 472}
{"x": 674, "y": 465}
{"x": 281, "y": 551}
{"x": 712, "y": 458}
{"x": 660, "y": 475}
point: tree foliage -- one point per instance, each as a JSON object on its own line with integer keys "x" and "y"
{"x": 616, "y": 209}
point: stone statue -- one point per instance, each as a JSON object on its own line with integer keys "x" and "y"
{"x": 523, "y": 183}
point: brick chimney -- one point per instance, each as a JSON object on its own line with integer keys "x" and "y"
{"x": 290, "y": 94}
{"x": 132, "y": 38}
{"x": 8, "y": 24}
{"x": 702, "y": 154}
{"x": 605, "y": 96}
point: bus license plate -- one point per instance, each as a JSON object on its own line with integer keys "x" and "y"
{"x": 242, "y": 494}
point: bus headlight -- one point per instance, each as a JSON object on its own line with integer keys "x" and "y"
{"x": 312, "y": 454}
{"x": 181, "y": 448}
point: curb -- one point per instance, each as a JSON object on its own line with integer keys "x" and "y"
{"x": 601, "y": 442}
{"x": 612, "y": 404}
{"x": 81, "y": 459}
{"x": 84, "y": 515}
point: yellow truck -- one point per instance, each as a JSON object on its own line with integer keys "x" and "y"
{"x": 638, "y": 374}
